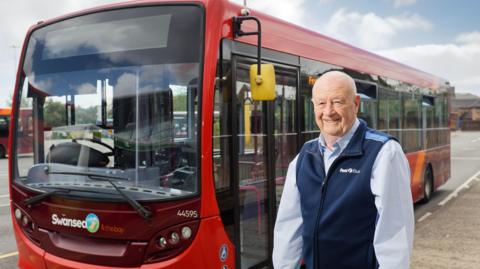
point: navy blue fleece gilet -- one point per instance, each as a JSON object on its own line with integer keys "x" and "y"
{"x": 338, "y": 209}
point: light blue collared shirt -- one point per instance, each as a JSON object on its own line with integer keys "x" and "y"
{"x": 330, "y": 155}
{"x": 390, "y": 184}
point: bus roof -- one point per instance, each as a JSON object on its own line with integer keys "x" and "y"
{"x": 286, "y": 37}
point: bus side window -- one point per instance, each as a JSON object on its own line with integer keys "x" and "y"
{"x": 368, "y": 103}
{"x": 389, "y": 112}
{"x": 411, "y": 104}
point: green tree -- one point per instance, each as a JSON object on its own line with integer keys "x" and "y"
{"x": 54, "y": 113}
{"x": 85, "y": 115}
{"x": 180, "y": 102}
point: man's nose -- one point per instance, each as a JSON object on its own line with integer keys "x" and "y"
{"x": 328, "y": 109}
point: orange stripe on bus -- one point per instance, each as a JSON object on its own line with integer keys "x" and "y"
{"x": 419, "y": 163}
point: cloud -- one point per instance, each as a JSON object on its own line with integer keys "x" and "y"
{"x": 370, "y": 31}
{"x": 17, "y": 17}
{"x": 471, "y": 37}
{"x": 86, "y": 88}
{"x": 27, "y": 13}
{"x": 292, "y": 10}
{"x": 399, "y": 3}
{"x": 457, "y": 62}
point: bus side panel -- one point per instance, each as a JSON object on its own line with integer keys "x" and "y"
{"x": 204, "y": 253}
{"x": 29, "y": 255}
{"x": 416, "y": 160}
{"x": 446, "y": 157}
{"x": 439, "y": 158}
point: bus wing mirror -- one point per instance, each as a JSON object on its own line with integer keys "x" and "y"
{"x": 262, "y": 86}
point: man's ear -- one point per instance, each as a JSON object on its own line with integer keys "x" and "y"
{"x": 357, "y": 103}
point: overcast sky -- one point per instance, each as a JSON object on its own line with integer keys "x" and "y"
{"x": 441, "y": 37}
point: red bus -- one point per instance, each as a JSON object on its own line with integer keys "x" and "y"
{"x": 24, "y": 133}
{"x": 4, "y": 127}
{"x": 152, "y": 150}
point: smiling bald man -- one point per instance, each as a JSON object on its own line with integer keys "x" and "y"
{"x": 346, "y": 202}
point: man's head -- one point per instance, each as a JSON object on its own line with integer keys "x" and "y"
{"x": 336, "y": 103}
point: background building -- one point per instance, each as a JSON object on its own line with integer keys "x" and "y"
{"x": 466, "y": 111}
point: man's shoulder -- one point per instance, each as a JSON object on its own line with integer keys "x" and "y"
{"x": 310, "y": 146}
{"x": 311, "y": 143}
{"x": 372, "y": 134}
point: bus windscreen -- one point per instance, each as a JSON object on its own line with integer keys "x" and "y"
{"x": 106, "y": 91}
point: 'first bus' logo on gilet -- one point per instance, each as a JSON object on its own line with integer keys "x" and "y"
{"x": 349, "y": 171}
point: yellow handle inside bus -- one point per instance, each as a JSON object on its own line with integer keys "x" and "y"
{"x": 247, "y": 116}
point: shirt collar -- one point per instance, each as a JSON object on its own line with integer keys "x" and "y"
{"x": 343, "y": 141}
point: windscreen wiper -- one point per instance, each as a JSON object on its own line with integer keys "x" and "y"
{"x": 40, "y": 197}
{"x": 141, "y": 210}
{"x": 37, "y": 198}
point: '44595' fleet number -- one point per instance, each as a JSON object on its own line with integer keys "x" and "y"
{"x": 187, "y": 213}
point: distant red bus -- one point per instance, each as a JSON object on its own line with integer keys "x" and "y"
{"x": 24, "y": 134}
{"x": 4, "y": 127}
{"x": 150, "y": 151}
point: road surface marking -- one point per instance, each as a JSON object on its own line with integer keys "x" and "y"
{"x": 4, "y": 205}
{"x": 454, "y": 194}
{"x": 8, "y": 255}
{"x": 424, "y": 217}
{"x": 4, "y": 195}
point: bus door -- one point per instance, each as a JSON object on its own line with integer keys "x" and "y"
{"x": 265, "y": 141}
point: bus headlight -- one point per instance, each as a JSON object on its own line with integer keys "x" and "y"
{"x": 18, "y": 214}
{"x": 162, "y": 242}
{"x": 174, "y": 238}
{"x": 170, "y": 242}
{"x": 186, "y": 232}
{"x": 25, "y": 221}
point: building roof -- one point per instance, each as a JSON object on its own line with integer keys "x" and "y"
{"x": 465, "y": 101}
{"x": 463, "y": 96}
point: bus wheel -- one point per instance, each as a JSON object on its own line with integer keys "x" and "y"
{"x": 427, "y": 185}
{"x": 2, "y": 152}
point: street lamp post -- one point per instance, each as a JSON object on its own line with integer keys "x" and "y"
{"x": 14, "y": 47}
